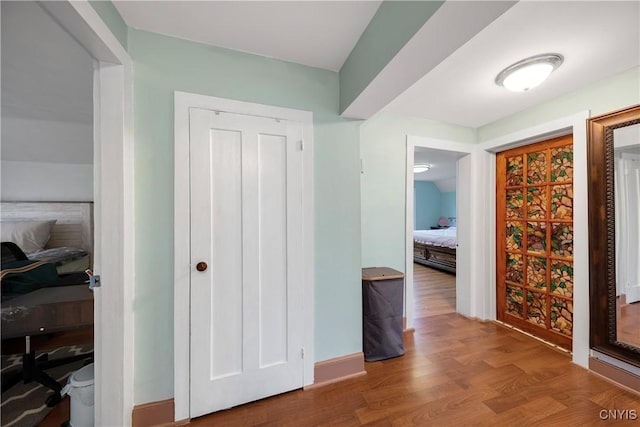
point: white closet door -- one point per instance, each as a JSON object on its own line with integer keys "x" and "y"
{"x": 246, "y": 226}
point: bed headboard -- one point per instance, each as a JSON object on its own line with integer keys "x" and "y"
{"x": 74, "y": 221}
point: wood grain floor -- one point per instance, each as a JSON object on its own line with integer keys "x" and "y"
{"x": 455, "y": 372}
{"x": 434, "y": 291}
{"x": 628, "y": 316}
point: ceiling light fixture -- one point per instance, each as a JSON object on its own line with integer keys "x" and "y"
{"x": 422, "y": 167}
{"x": 529, "y": 73}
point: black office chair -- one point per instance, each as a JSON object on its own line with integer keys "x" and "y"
{"x": 33, "y": 367}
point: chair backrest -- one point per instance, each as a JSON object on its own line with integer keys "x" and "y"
{"x": 12, "y": 252}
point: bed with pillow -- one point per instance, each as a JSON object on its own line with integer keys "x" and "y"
{"x": 52, "y": 232}
{"x": 45, "y": 249}
{"x": 436, "y": 248}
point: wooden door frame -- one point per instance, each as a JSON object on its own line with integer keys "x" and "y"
{"x": 182, "y": 242}
{"x": 113, "y": 208}
{"x": 484, "y": 181}
{"x": 461, "y": 284}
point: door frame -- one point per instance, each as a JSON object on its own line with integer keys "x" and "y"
{"x": 182, "y": 242}
{"x": 484, "y": 226}
{"x": 113, "y": 208}
{"x": 461, "y": 283}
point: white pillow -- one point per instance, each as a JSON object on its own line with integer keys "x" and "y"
{"x": 30, "y": 236}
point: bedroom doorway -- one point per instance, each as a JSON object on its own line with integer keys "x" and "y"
{"x": 110, "y": 79}
{"x": 47, "y": 210}
{"x": 437, "y": 206}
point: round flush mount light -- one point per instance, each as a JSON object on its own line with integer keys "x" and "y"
{"x": 529, "y": 73}
{"x": 422, "y": 167}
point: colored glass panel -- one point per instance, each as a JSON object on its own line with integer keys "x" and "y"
{"x": 536, "y": 237}
{"x": 562, "y": 201}
{"x": 514, "y": 300}
{"x": 515, "y": 171}
{"x": 536, "y": 167}
{"x": 514, "y": 203}
{"x": 562, "y": 164}
{"x": 536, "y": 308}
{"x": 515, "y": 271}
{"x": 561, "y": 315}
{"x": 562, "y": 278}
{"x": 514, "y": 235}
{"x": 562, "y": 239}
{"x": 537, "y": 272}
{"x": 536, "y": 202}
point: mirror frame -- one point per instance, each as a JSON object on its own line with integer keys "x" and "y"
{"x": 602, "y": 274}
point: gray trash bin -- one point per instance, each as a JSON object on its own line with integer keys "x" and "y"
{"x": 382, "y": 310}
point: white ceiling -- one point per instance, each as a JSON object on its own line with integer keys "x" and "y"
{"x": 443, "y": 164}
{"x": 47, "y": 89}
{"x": 315, "y": 33}
{"x": 597, "y": 38}
{"x": 46, "y": 75}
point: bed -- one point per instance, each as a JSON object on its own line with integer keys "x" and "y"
{"x": 60, "y": 233}
{"x": 436, "y": 248}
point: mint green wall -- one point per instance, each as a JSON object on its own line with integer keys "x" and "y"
{"x": 613, "y": 93}
{"x": 383, "y": 149}
{"x": 163, "y": 65}
{"x": 448, "y": 204}
{"x": 427, "y": 205}
{"x": 392, "y": 26}
{"x": 110, "y": 15}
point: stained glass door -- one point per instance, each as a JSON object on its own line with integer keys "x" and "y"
{"x": 535, "y": 239}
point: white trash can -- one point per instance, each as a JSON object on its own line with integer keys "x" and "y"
{"x": 81, "y": 389}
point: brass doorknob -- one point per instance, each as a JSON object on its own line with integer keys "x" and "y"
{"x": 201, "y": 266}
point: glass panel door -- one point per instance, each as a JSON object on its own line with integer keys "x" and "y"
{"x": 535, "y": 239}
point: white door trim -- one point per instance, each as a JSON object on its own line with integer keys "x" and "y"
{"x": 182, "y": 244}
{"x": 484, "y": 228}
{"x": 438, "y": 144}
{"x": 113, "y": 208}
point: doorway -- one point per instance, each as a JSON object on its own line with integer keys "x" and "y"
{"x": 114, "y": 257}
{"x": 435, "y": 220}
{"x": 459, "y": 158}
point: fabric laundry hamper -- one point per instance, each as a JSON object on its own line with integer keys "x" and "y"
{"x": 382, "y": 310}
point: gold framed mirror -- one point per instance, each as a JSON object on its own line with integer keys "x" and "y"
{"x": 613, "y": 156}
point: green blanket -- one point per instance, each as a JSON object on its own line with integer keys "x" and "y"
{"x": 21, "y": 277}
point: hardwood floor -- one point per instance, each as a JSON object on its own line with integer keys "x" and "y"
{"x": 434, "y": 291}
{"x": 58, "y": 415}
{"x": 455, "y": 372}
{"x": 628, "y": 316}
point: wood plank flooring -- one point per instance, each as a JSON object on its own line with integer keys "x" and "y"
{"x": 628, "y": 316}
{"x": 434, "y": 291}
{"x": 455, "y": 372}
